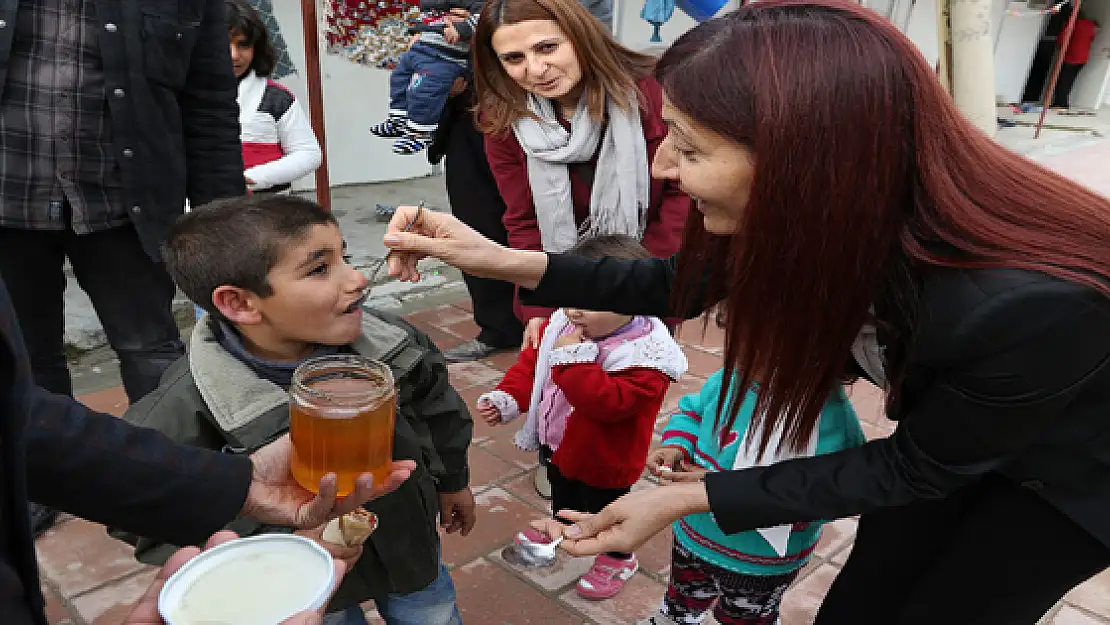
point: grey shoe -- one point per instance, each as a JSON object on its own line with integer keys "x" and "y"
{"x": 543, "y": 485}
{"x": 658, "y": 619}
{"x": 470, "y": 351}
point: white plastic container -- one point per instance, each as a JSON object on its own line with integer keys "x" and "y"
{"x": 260, "y": 580}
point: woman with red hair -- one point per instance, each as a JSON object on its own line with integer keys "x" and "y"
{"x": 851, "y": 223}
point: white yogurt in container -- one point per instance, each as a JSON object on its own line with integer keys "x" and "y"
{"x": 260, "y": 580}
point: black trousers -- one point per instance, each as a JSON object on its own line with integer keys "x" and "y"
{"x": 568, "y": 494}
{"x": 1068, "y": 73}
{"x": 132, "y": 295}
{"x": 477, "y": 202}
{"x": 994, "y": 553}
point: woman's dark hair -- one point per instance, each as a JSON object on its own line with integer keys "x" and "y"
{"x": 866, "y": 176}
{"x": 243, "y": 19}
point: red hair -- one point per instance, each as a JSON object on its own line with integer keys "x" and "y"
{"x": 866, "y": 176}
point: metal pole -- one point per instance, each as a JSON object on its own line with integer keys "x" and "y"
{"x": 311, "y": 30}
{"x": 1056, "y": 67}
{"x": 944, "y": 46}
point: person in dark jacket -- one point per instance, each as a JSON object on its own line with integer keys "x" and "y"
{"x": 269, "y": 272}
{"x": 472, "y": 192}
{"x": 865, "y": 228}
{"x": 113, "y": 114}
{"x": 63, "y": 454}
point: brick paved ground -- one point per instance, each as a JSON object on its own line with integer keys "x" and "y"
{"x": 90, "y": 579}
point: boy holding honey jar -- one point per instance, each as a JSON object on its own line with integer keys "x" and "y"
{"x": 270, "y": 272}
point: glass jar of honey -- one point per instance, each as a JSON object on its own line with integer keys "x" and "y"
{"x": 341, "y": 412}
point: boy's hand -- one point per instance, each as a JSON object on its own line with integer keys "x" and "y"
{"x": 574, "y": 338}
{"x": 450, "y": 34}
{"x": 413, "y": 40}
{"x": 462, "y": 14}
{"x": 665, "y": 460}
{"x": 457, "y": 512}
{"x": 348, "y": 555}
{"x": 489, "y": 413}
{"x": 686, "y": 473}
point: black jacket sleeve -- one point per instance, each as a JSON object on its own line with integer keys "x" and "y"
{"x": 210, "y": 114}
{"x": 108, "y": 471}
{"x": 633, "y": 287}
{"x": 1014, "y": 363}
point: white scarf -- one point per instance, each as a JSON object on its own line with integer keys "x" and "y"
{"x": 621, "y": 190}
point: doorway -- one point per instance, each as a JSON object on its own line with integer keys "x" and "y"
{"x": 1045, "y": 55}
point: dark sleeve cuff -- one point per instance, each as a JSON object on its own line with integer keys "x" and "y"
{"x": 562, "y": 271}
{"x": 454, "y": 482}
{"x": 724, "y": 489}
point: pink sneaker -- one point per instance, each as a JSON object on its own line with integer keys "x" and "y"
{"x": 606, "y": 577}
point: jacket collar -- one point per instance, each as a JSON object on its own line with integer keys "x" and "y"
{"x": 236, "y": 396}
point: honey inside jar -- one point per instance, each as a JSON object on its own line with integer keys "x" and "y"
{"x": 341, "y": 417}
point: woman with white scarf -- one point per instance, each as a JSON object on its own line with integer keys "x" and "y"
{"x": 572, "y": 122}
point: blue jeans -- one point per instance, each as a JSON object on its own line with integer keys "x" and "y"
{"x": 435, "y": 605}
{"x": 421, "y": 83}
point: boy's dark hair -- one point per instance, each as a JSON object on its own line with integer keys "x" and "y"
{"x": 236, "y": 242}
{"x": 619, "y": 246}
{"x": 242, "y": 18}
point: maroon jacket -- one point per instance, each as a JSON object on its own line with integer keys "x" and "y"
{"x": 666, "y": 215}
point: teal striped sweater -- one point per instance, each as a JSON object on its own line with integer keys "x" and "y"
{"x": 692, "y": 430}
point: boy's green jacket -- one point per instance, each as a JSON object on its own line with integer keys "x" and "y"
{"x": 211, "y": 399}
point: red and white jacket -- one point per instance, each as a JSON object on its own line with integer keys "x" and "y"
{"x": 278, "y": 143}
{"x": 615, "y": 398}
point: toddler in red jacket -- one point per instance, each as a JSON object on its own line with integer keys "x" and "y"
{"x": 590, "y": 395}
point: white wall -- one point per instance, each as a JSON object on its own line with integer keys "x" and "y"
{"x": 922, "y": 29}
{"x": 355, "y": 98}
{"x": 1014, "y": 49}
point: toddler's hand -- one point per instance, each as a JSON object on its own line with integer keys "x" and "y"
{"x": 686, "y": 472}
{"x": 532, "y": 333}
{"x": 665, "y": 460}
{"x": 413, "y": 40}
{"x": 573, "y": 338}
{"x": 489, "y": 413}
{"x": 450, "y": 34}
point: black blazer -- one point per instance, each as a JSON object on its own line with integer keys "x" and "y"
{"x": 96, "y": 466}
{"x": 1009, "y": 374}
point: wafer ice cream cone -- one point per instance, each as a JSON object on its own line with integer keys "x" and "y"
{"x": 351, "y": 529}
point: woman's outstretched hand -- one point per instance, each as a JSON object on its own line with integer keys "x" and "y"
{"x": 627, "y": 523}
{"x": 442, "y": 236}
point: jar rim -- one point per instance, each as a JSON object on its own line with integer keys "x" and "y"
{"x": 308, "y": 370}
